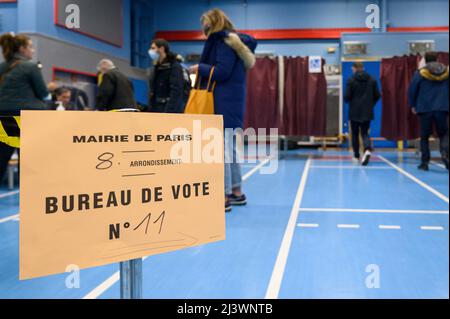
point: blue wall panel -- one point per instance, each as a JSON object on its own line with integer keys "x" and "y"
{"x": 418, "y": 13}
{"x": 38, "y": 16}
{"x": 140, "y": 91}
{"x": 391, "y": 44}
{"x": 289, "y": 14}
{"x": 287, "y": 48}
{"x": 8, "y": 17}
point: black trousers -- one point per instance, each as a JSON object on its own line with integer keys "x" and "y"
{"x": 6, "y": 152}
{"x": 360, "y": 128}
{"x": 440, "y": 120}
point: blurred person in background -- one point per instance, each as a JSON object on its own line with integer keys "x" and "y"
{"x": 22, "y": 87}
{"x": 362, "y": 93}
{"x": 166, "y": 80}
{"x": 79, "y": 99}
{"x": 62, "y": 100}
{"x": 115, "y": 89}
{"x": 428, "y": 97}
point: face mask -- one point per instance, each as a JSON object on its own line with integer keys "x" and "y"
{"x": 154, "y": 55}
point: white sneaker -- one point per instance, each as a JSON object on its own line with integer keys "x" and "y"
{"x": 366, "y": 158}
{"x": 355, "y": 160}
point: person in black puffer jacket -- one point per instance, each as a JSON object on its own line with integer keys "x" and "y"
{"x": 362, "y": 93}
{"x": 166, "y": 80}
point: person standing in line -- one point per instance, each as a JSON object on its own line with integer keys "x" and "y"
{"x": 232, "y": 55}
{"x": 166, "y": 80}
{"x": 428, "y": 97}
{"x": 362, "y": 93}
{"x": 22, "y": 86}
{"x": 115, "y": 90}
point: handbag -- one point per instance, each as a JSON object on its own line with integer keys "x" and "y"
{"x": 201, "y": 101}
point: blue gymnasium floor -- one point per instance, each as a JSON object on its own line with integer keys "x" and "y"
{"x": 320, "y": 227}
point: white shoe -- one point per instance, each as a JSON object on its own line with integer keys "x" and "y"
{"x": 366, "y": 158}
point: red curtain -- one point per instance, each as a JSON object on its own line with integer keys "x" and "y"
{"x": 262, "y": 95}
{"x": 398, "y": 122}
{"x": 305, "y": 99}
{"x": 443, "y": 57}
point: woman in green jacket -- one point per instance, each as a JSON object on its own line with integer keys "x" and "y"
{"x": 22, "y": 86}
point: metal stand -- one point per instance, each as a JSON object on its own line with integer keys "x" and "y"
{"x": 131, "y": 279}
{"x": 285, "y": 147}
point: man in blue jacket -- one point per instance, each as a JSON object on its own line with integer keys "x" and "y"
{"x": 428, "y": 97}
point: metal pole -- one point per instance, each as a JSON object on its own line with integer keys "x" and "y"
{"x": 384, "y": 16}
{"x": 131, "y": 279}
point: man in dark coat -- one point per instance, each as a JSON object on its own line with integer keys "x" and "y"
{"x": 428, "y": 96}
{"x": 362, "y": 94}
{"x": 115, "y": 90}
{"x": 166, "y": 80}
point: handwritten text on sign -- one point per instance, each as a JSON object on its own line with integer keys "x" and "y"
{"x": 99, "y": 188}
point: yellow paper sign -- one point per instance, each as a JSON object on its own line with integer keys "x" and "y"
{"x": 98, "y": 188}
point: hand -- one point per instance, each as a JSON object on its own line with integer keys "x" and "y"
{"x": 414, "y": 111}
{"x": 193, "y": 69}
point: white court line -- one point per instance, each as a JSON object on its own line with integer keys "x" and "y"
{"x": 390, "y": 227}
{"x": 9, "y": 194}
{"x": 432, "y": 228}
{"x": 10, "y": 218}
{"x": 348, "y": 226}
{"x": 375, "y": 211}
{"x": 308, "y": 225}
{"x": 256, "y": 168}
{"x": 273, "y": 289}
{"x": 108, "y": 283}
{"x": 438, "y": 165}
{"x": 415, "y": 179}
{"x": 353, "y": 167}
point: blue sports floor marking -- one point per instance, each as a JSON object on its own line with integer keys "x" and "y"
{"x": 323, "y": 262}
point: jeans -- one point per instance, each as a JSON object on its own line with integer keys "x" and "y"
{"x": 440, "y": 119}
{"x": 363, "y": 129}
{"x": 233, "y": 175}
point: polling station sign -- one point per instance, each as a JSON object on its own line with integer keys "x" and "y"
{"x": 98, "y": 188}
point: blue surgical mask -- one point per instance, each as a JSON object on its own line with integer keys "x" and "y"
{"x": 154, "y": 55}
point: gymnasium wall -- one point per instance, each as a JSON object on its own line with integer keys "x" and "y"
{"x": 179, "y": 15}
{"x": 58, "y": 47}
{"x": 8, "y": 16}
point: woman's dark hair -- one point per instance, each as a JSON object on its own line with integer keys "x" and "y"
{"x": 359, "y": 66}
{"x": 161, "y": 43}
{"x": 11, "y": 44}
